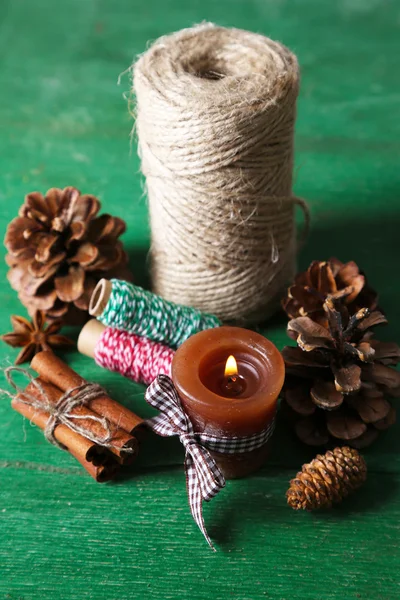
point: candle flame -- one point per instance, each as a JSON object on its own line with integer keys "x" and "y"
{"x": 231, "y": 368}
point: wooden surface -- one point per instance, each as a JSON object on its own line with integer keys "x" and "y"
{"x": 64, "y": 121}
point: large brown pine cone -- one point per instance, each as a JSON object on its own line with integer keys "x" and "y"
{"x": 58, "y": 250}
{"x": 338, "y": 378}
{"x": 327, "y": 479}
{"x": 328, "y": 278}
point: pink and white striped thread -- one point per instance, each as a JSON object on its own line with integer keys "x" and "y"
{"x": 133, "y": 356}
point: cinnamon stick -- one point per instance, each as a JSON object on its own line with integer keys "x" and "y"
{"x": 55, "y": 371}
{"x": 77, "y": 445}
{"x": 124, "y": 446}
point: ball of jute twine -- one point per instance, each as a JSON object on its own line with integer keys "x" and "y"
{"x": 215, "y": 115}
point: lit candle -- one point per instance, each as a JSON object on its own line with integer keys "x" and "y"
{"x": 229, "y": 380}
{"x": 232, "y": 384}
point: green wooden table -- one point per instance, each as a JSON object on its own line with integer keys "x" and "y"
{"x": 64, "y": 121}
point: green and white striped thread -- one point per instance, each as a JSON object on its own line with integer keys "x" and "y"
{"x": 135, "y": 310}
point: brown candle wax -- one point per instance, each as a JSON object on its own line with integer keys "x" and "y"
{"x": 198, "y": 375}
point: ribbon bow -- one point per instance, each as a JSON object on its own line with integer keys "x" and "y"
{"x": 204, "y": 479}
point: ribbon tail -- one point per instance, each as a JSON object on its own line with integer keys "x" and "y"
{"x": 195, "y": 498}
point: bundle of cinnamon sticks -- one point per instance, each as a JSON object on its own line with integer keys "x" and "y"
{"x": 56, "y": 378}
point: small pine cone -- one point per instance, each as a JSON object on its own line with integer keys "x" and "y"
{"x": 327, "y": 479}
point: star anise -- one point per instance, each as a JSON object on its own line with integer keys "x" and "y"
{"x": 34, "y": 336}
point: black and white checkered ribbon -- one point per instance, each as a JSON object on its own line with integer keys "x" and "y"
{"x": 204, "y": 479}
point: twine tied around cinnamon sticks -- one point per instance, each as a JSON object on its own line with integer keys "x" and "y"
{"x": 62, "y": 410}
{"x": 77, "y": 415}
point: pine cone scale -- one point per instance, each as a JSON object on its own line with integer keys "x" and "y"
{"x": 382, "y": 375}
{"x": 57, "y": 310}
{"x": 16, "y": 240}
{"x": 299, "y": 399}
{"x": 371, "y": 410}
{"x": 324, "y": 394}
{"x": 86, "y": 255}
{"x": 312, "y": 432}
{"x": 23, "y": 281}
{"x": 43, "y": 302}
{"x": 70, "y": 287}
{"x": 77, "y": 232}
{"x": 344, "y": 425}
{"x": 387, "y": 422}
{"x": 40, "y": 269}
{"x": 83, "y": 301}
{"x": 347, "y": 379}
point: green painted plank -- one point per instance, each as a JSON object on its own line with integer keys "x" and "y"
{"x": 138, "y": 540}
{"x": 64, "y": 121}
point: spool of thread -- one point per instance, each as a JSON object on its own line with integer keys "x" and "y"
{"x": 215, "y": 118}
{"x": 127, "y": 307}
{"x": 132, "y": 356}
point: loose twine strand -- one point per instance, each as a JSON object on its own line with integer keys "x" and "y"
{"x": 61, "y": 411}
{"x": 215, "y": 115}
